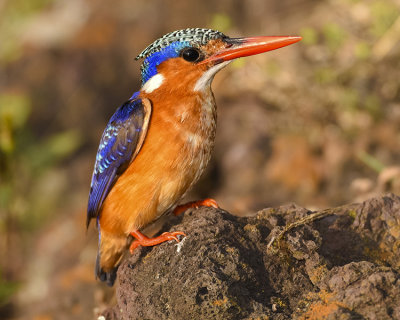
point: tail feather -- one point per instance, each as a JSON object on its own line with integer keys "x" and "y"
{"x": 103, "y": 276}
{"x": 109, "y": 255}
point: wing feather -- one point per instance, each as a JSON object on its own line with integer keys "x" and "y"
{"x": 119, "y": 145}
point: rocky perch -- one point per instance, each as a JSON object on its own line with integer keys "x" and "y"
{"x": 344, "y": 266}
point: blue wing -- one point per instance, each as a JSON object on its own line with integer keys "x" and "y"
{"x": 119, "y": 145}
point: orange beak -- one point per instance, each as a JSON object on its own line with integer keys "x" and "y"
{"x": 243, "y": 47}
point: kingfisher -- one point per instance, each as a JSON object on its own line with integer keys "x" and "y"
{"x": 157, "y": 144}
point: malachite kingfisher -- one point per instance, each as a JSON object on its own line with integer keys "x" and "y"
{"x": 158, "y": 143}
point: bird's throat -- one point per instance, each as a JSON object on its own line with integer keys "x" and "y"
{"x": 204, "y": 82}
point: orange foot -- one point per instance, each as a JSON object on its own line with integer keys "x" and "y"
{"x": 196, "y": 204}
{"x": 142, "y": 240}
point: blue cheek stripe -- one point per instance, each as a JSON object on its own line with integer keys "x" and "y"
{"x": 150, "y": 64}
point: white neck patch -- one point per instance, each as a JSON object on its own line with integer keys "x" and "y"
{"x": 153, "y": 83}
{"x": 205, "y": 80}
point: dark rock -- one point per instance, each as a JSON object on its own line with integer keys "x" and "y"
{"x": 345, "y": 266}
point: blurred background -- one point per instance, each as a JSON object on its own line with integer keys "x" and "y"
{"x": 316, "y": 123}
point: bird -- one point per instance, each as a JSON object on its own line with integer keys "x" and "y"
{"x": 157, "y": 144}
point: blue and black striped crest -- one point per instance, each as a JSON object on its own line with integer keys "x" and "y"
{"x": 195, "y": 36}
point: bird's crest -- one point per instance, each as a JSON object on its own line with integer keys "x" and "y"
{"x": 194, "y": 36}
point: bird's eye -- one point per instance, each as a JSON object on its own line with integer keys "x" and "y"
{"x": 191, "y": 54}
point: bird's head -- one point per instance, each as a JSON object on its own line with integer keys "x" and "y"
{"x": 191, "y": 57}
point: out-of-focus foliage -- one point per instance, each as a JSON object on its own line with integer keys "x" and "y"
{"x": 23, "y": 158}
{"x": 7, "y": 289}
{"x": 315, "y": 123}
{"x": 221, "y": 22}
{"x": 334, "y": 36}
{"x": 26, "y": 164}
{"x": 384, "y": 14}
{"x": 14, "y": 112}
{"x": 14, "y": 14}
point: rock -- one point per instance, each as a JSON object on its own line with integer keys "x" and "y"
{"x": 345, "y": 266}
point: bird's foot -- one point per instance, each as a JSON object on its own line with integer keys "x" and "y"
{"x": 142, "y": 240}
{"x": 196, "y": 204}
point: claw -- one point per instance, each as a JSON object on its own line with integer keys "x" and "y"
{"x": 142, "y": 240}
{"x": 196, "y": 204}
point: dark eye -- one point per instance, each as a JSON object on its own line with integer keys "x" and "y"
{"x": 191, "y": 54}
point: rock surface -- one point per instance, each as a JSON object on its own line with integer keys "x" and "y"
{"x": 345, "y": 266}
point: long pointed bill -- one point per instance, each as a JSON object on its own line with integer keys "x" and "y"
{"x": 243, "y": 47}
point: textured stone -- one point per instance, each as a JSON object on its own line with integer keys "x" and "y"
{"x": 345, "y": 266}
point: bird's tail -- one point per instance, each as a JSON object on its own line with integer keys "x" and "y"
{"x": 104, "y": 276}
{"x": 109, "y": 256}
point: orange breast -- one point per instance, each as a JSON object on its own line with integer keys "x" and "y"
{"x": 175, "y": 152}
